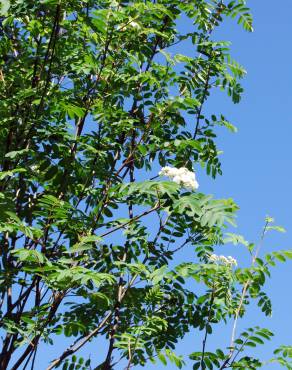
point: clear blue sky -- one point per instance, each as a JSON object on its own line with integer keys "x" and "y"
{"x": 257, "y": 163}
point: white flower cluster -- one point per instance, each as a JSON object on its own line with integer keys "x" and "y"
{"x": 228, "y": 261}
{"x": 182, "y": 176}
{"x": 132, "y": 24}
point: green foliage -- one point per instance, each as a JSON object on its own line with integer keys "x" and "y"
{"x": 283, "y": 357}
{"x": 94, "y": 100}
{"x": 76, "y": 364}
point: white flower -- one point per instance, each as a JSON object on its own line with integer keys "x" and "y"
{"x": 232, "y": 260}
{"x": 181, "y": 176}
{"x": 132, "y": 24}
{"x": 213, "y": 258}
{"x": 224, "y": 260}
{"x": 227, "y": 261}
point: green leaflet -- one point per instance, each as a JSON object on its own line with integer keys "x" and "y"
{"x": 85, "y": 243}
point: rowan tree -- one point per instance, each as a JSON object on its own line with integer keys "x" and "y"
{"x": 103, "y": 126}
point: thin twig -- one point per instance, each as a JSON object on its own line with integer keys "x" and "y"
{"x": 243, "y": 294}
